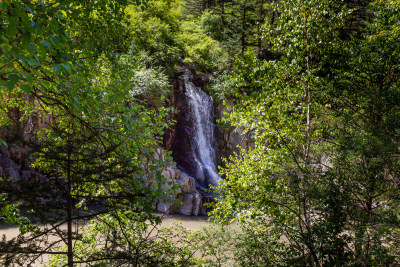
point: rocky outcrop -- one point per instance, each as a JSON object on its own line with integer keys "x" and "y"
{"x": 8, "y": 168}
{"x": 230, "y": 139}
{"x": 14, "y": 157}
{"x": 186, "y": 199}
{"x": 14, "y": 165}
{"x": 178, "y": 137}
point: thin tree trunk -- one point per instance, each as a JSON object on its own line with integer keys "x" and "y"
{"x": 307, "y": 148}
{"x": 243, "y": 29}
{"x": 223, "y": 12}
{"x": 308, "y": 93}
{"x": 69, "y": 212}
{"x": 260, "y": 21}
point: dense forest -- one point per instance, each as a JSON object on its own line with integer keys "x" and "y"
{"x": 88, "y": 110}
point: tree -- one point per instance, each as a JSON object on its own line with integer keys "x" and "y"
{"x": 236, "y": 24}
{"x": 164, "y": 38}
{"x": 53, "y": 65}
{"x": 125, "y": 239}
{"x": 319, "y": 186}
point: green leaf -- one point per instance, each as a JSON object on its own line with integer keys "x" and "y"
{"x": 27, "y": 76}
{"x": 46, "y": 44}
{"x": 67, "y": 67}
{"x": 5, "y": 48}
{"x": 35, "y": 26}
{"x": 56, "y": 40}
{"x": 32, "y": 47}
{"x": 31, "y": 62}
{"x": 4, "y": 4}
{"x": 14, "y": 78}
{"x": 29, "y": 9}
{"x": 26, "y": 88}
{"x": 10, "y": 85}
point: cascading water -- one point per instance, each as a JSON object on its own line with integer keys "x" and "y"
{"x": 201, "y": 112}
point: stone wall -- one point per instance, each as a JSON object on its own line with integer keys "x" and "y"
{"x": 14, "y": 157}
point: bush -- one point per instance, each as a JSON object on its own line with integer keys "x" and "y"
{"x": 151, "y": 85}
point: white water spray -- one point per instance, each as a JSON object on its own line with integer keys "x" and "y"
{"x": 202, "y": 139}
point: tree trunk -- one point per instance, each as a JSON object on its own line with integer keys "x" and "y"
{"x": 260, "y": 21}
{"x": 69, "y": 212}
{"x": 243, "y": 39}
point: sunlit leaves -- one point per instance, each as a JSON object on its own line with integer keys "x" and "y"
{"x": 60, "y": 68}
{"x": 324, "y": 139}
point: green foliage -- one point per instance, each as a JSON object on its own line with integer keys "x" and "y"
{"x": 11, "y": 214}
{"x": 134, "y": 242}
{"x": 316, "y": 86}
{"x": 150, "y": 84}
{"x": 161, "y": 36}
{"x": 223, "y": 86}
{"x": 154, "y": 28}
{"x": 193, "y": 8}
{"x": 237, "y": 24}
{"x": 321, "y": 178}
{"x": 97, "y": 143}
{"x": 200, "y": 50}
{"x": 211, "y": 23}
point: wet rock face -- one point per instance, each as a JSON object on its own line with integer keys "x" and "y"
{"x": 228, "y": 139}
{"x": 179, "y": 136}
{"x": 192, "y": 140}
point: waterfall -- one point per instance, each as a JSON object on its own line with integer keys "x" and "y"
{"x": 201, "y": 113}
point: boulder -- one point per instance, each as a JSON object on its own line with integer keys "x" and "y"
{"x": 197, "y": 204}
{"x": 175, "y": 172}
{"x": 187, "y": 183}
{"x": 186, "y": 207}
{"x": 167, "y": 174}
{"x": 160, "y": 154}
{"x": 171, "y": 172}
{"x": 163, "y": 207}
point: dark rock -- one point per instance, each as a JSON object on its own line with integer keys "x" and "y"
{"x": 179, "y": 136}
{"x": 9, "y": 168}
{"x": 230, "y": 139}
